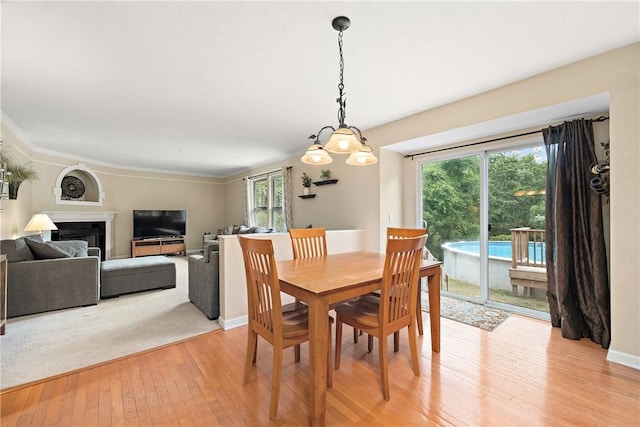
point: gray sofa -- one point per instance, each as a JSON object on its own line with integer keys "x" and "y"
{"x": 49, "y": 276}
{"x": 234, "y": 229}
{"x": 204, "y": 288}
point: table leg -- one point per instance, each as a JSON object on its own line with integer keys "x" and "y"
{"x": 419, "y": 308}
{"x": 318, "y": 347}
{"x": 434, "y": 309}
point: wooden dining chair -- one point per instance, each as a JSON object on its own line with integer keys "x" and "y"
{"x": 308, "y": 242}
{"x": 393, "y": 310}
{"x": 311, "y": 243}
{"x": 403, "y": 233}
{"x": 281, "y": 326}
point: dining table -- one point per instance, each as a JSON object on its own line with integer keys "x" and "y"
{"x": 323, "y": 281}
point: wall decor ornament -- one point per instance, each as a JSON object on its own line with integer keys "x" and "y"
{"x": 72, "y": 187}
{"x": 78, "y": 185}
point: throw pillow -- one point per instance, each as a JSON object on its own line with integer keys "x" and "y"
{"x": 17, "y": 250}
{"x": 46, "y": 250}
{"x": 262, "y": 230}
{"x": 75, "y": 248}
{"x": 245, "y": 230}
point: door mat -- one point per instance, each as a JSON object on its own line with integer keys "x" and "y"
{"x": 480, "y": 316}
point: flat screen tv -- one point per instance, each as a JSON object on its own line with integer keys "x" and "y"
{"x": 158, "y": 223}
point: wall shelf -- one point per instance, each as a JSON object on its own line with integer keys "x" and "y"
{"x": 326, "y": 182}
{"x": 307, "y": 196}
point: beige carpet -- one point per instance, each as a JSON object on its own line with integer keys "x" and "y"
{"x": 42, "y": 345}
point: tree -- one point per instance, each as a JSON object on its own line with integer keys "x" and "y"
{"x": 516, "y": 197}
{"x": 451, "y": 201}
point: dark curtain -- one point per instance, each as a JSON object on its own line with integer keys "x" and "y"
{"x": 577, "y": 279}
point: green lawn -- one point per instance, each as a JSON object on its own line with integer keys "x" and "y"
{"x": 506, "y": 297}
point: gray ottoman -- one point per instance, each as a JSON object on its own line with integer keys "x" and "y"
{"x": 123, "y": 276}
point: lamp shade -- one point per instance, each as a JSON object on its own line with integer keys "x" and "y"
{"x": 316, "y": 155}
{"x": 343, "y": 141}
{"x": 40, "y": 222}
{"x": 363, "y": 157}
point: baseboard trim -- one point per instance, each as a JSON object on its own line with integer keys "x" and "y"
{"x": 233, "y": 323}
{"x": 625, "y": 359}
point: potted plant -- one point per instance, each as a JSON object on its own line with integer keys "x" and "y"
{"x": 306, "y": 182}
{"x": 325, "y": 174}
{"x": 325, "y": 178}
{"x": 16, "y": 174}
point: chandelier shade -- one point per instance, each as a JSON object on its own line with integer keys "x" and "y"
{"x": 362, "y": 157}
{"x": 344, "y": 139}
{"x": 316, "y": 155}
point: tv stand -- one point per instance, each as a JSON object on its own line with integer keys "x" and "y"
{"x": 158, "y": 246}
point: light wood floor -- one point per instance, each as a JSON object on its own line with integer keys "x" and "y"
{"x": 521, "y": 374}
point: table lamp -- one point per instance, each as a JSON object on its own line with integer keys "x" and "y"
{"x": 40, "y": 223}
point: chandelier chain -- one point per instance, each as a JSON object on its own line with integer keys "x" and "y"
{"x": 341, "y": 102}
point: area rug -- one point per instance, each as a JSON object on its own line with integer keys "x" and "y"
{"x": 480, "y": 316}
{"x": 44, "y": 345}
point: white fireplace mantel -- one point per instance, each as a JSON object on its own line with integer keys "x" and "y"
{"x": 77, "y": 216}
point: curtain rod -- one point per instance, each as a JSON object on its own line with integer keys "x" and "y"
{"x": 267, "y": 173}
{"x": 486, "y": 141}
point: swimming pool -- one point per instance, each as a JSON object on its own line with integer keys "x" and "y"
{"x": 462, "y": 262}
{"x": 496, "y": 249}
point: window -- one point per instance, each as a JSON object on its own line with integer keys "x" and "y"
{"x": 266, "y": 201}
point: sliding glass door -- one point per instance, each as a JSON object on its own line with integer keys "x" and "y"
{"x": 485, "y": 216}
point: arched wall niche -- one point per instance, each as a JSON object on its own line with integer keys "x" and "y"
{"x": 81, "y": 188}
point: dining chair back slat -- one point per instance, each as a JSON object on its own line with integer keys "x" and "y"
{"x": 308, "y": 242}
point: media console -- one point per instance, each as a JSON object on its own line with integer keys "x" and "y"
{"x": 158, "y": 246}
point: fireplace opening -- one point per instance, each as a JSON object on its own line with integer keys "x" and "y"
{"x": 91, "y": 232}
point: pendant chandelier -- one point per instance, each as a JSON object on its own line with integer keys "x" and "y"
{"x": 345, "y": 139}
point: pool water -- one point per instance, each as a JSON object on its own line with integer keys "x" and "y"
{"x": 496, "y": 249}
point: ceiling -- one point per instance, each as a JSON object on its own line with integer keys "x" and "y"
{"x": 217, "y": 88}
